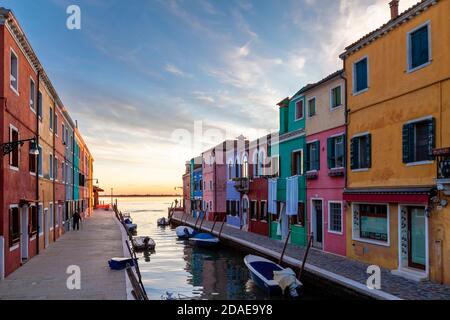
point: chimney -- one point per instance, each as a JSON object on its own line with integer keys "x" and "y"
{"x": 394, "y": 8}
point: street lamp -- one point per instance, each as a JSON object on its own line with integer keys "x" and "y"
{"x": 9, "y": 147}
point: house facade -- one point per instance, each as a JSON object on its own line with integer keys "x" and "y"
{"x": 287, "y": 156}
{"x": 187, "y": 189}
{"x": 196, "y": 186}
{"x": 325, "y": 162}
{"x": 398, "y": 101}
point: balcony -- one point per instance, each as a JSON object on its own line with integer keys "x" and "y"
{"x": 242, "y": 185}
{"x": 443, "y": 169}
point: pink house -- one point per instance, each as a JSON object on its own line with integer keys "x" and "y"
{"x": 325, "y": 163}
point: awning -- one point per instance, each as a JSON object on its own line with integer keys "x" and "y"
{"x": 390, "y": 195}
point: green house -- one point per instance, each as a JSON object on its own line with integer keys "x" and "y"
{"x": 288, "y": 164}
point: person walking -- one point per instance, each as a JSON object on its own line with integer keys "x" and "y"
{"x": 76, "y": 220}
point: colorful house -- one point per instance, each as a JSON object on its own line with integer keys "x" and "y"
{"x": 325, "y": 162}
{"x": 196, "y": 186}
{"x": 187, "y": 189}
{"x": 287, "y": 156}
{"x": 399, "y": 101}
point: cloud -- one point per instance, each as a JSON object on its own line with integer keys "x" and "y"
{"x": 171, "y": 68}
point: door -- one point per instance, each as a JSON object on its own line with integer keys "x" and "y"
{"x": 59, "y": 220}
{"x": 46, "y": 227}
{"x": 317, "y": 223}
{"x": 24, "y": 236}
{"x": 244, "y": 218}
{"x": 417, "y": 238}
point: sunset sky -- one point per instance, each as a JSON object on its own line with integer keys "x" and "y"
{"x": 141, "y": 72}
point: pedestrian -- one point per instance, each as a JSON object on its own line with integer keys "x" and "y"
{"x": 76, "y": 220}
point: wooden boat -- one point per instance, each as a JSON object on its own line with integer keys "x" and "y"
{"x": 204, "y": 240}
{"x": 142, "y": 243}
{"x": 163, "y": 222}
{"x": 262, "y": 273}
{"x": 121, "y": 263}
{"x": 184, "y": 232}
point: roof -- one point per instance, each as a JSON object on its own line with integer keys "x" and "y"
{"x": 410, "y": 13}
{"x": 314, "y": 85}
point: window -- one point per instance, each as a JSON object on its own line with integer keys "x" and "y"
{"x": 14, "y": 155}
{"x": 335, "y": 217}
{"x": 373, "y": 222}
{"x": 297, "y": 163}
{"x": 40, "y": 157}
{"x": 254, "y": 210}
{"x": 33, "y": 218}
{"x": 419, "y": 47}
{"x": 312, "y": 107}
{"x": 51, "y": 215}
{"x": 299, "y": 110}
{"x": 63, "y": 134}
{"x": 360, "y": 76}
{"x": 256, "y": 171}
{"x": 32, "y": 163}
{"x": 32, "y": 95}
{"x": 361, "y": 152}
{"x": 210, "y": 185}
{"x": 50, "y": 157}
{"x": 263, "y": 211}
{"x": 56, "y": 124}
{"x": 63, "y": 173}
{"x": 336, "y": 152}
{"x": 299, "y": 219}
{"x": 39, "y": 110}
{"x": 56, "y": 168}
{"x": 419, "y": 141}
{"x": 230, "y": 170}
{"x": 336, "y": 97}
{"x": 245, "y": 167}
{"x": 276, "y": 169}
{"x": 228, "y": 207}
{"x": 313, "y": 156}
{"x": 51, "y": 118}
{"x": 41, "y": 219}
{"x": 14, "y": 226}
{"x": 14, "y": 77}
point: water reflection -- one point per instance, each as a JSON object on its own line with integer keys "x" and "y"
{"x": 180, "y": 269}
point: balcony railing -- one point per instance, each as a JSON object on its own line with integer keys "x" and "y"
{"x": 443, "y": 163}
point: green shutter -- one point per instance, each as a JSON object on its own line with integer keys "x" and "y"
{"x": 330, "y": 152}
{"x": 431, "y": 138}
{"x": 406, "y": 143}
{"x": 369, "y": 151}
{"x": 354, "y": 153}
{"x": 317, "y": 155}
{"x": 306, "y": 160}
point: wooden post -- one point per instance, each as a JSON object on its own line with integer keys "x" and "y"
{"x": 221, "y": 228}
{"x": 214, "y": 224}
{"x": 305, "y": 257}
{"x": 203, "y": 219}
{"x": 198, "y": 218}
{"x": 285, "y": 247}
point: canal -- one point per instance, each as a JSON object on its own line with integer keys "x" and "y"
{"x": 188, "y": 272}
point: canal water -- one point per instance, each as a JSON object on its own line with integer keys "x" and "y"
{"x": 176, "y": 268}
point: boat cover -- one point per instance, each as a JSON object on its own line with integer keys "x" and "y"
{"x": 286, "y": 278}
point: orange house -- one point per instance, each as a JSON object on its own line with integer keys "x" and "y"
{"x": 398, "y": 93}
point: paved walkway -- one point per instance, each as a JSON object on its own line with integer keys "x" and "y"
{"x": 44, "y": 276}
{"x": 340, "y": 269}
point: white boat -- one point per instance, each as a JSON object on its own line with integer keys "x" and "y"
{"x": 205, "y": 240}
{"x": 143, "y": 243}
{"x": 184, "y": 232}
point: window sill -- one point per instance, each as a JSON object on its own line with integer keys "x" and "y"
{"x": 419, "y": 163}
{"x": 360, "y": 92}
{"x": 336, "y": 233}
{"x": 360, "y": 170}
{"x": 412, "y": 70}
{"x": 14, "y": 247}
{"x": 375, "y": 242}
{"x": 336, "y": 107}
{"x": 14, "y": 90}
{"x": 14, "y": 168}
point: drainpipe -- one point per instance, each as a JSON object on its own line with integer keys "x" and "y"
{"x": 37, "y": 162}
{"x": 347, "y": 145}
{"x": 55, "y": 127}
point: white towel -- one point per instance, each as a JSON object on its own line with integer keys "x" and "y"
{"x": 272, "y": 208}
{"x": 292, "y": 196}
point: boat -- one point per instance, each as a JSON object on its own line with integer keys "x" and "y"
{"x": 128, "y": 220}
{"x": 131, "y": 227}
{"x": 163, "y": 222}
{"x": 204, "y": 240}
{"x": 262, "y": 273}
{"x": 121, "y": 263}
{"x": 184, "y": 232}
{"x": 142, "y": 243}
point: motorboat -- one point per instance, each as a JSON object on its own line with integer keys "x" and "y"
{"x": 264, "y": 271}
{"x": 204, "y": 240}
{"x": 184, "y": 232}
{"x": 121, "y": 263}
{"x": 143, "y": 243}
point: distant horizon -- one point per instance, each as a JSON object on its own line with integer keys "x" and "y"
{"x": 140, "y": 195}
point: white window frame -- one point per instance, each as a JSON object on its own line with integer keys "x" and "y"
{"x": 55, "y": 123}
{"x": 388, "y": 219}
{"x": 354, "y": 92}
{"x": 342, "y": 217}
{"x": 295, "y": 106}
{"x": 41, "y": 228}
{"x": 331, "y": 98}
{"x": 11, "y": 128}
{"x": 33, "y": 103}
{"x": 256, "y": 172}
{"x": 307, "y": 145}
{"x": 359, "y": 135}
{"x": 343, "y": 142}
{"x": 51, "y": 123}
{"x": 302, "y": 162}
{"x": 424, "y": 162}
{"x": 51, "y": 166}
{"x": 408, "y": 46}
{"x": 315, "y": 107}
{"x": 16, "y": 90}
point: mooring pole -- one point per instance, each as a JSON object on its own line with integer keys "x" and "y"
{"x": 285, "y": 247}
{"x": 214, "y": 224}
{"x": 203, "y": 219}
{"x": 196, "y": 221}
{"x": 221, "y": 228}
{"x": 306, "y": 256}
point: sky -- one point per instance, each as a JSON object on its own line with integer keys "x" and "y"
{"x": 153, "y": 83}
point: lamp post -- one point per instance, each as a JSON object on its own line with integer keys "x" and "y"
{"x": 9, "y": 147}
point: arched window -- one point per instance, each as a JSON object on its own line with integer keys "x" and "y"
{"x": 256, "y": 171}
{"x": 245, "y": 166}
{"x": 262, "y": 162}
{"x": 237, "y": 167}
{"x": 230, "y": 169}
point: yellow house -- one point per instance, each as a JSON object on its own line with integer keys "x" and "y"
{"x": 398, "y": 93}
